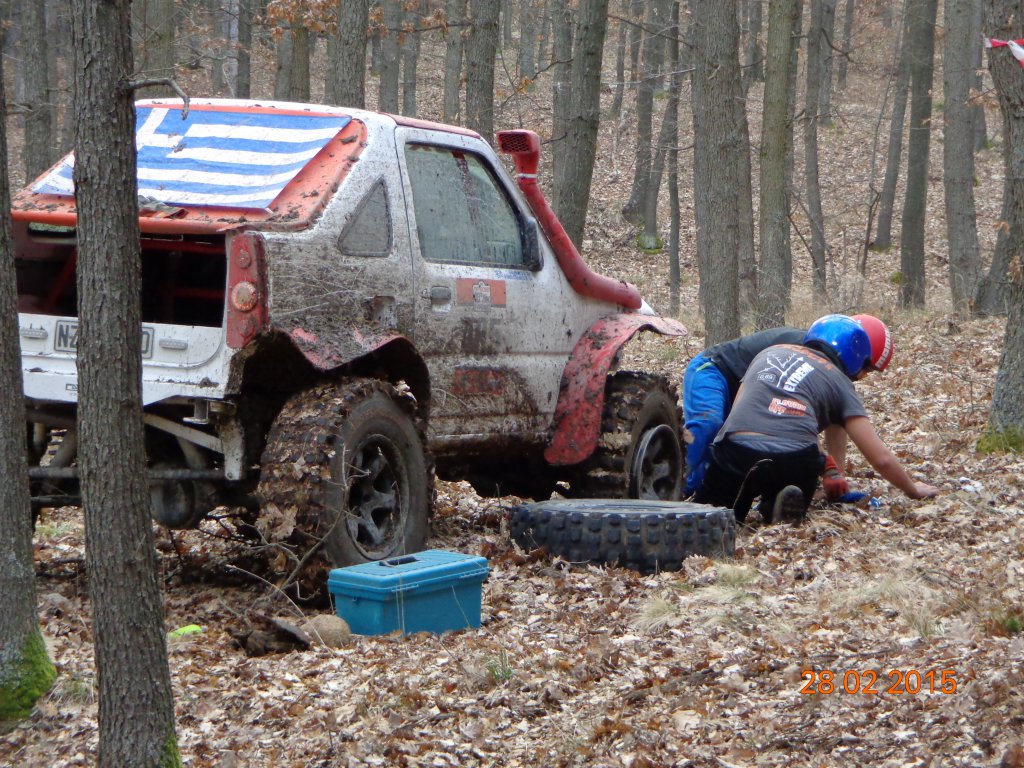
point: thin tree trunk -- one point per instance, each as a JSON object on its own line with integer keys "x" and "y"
{"x": 993, "y": 291}
{"x": 410, "y": 57}
{"x": 716, "y": 83}
{"x": 562, "y": 27}
{"x": 545, "y": 14}
{"x": 958, "y": 156}
{"x": 506, "y": 24}
{"x": 387, "y": 94}
{"x": 481, "y": 49}
{"x": 828, "y": 33}
{"x": 674, "y": 222}
{"x": 977, "y": 106}
{"x": 243, "y": 72}
{"x": 300, "y": 67}
{"x": 921, "y": 43}
{"x": 776, "y": 147}
{"x": 657, "y": 15}
{"x": 887, "y": 201}
{"x": 136, "y": 710}
{"x": 588, "y": 44}
{"x": 636, "y": 14}
{"x": 812, "y": 183}
{"x": 38, "y": 152}
{"x": 754, "y": 72}
{"x": 26, "y": 672}
{"x": 284, "y": 73}
{"x": 847, "y": 46}
{"x": 620, "y": 67}
{"x": 666, "y": 138}
{"x": 455, "y": 11}
{"x": 346, "y": 81}
{"x": 527, "y": 40}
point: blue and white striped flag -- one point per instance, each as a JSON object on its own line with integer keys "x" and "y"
{"x": 233, "y": 159}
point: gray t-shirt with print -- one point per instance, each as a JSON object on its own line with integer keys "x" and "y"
{"x": 792, "y": 393}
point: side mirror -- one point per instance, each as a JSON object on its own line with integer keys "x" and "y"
{"x": 531, "y": 245}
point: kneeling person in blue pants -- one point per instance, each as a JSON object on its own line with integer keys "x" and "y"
{"x": 709, "y": 387}
{"x": 769, "y": 446}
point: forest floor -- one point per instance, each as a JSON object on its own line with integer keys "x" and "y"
{"x": 578, "y": 665}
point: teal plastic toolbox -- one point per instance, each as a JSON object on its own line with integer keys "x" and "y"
{"x": 430, "y": 591}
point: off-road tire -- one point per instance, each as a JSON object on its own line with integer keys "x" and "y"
{"x": 646, "y": 536}
{"x": 639, "y": 453}
{"x": 345, "y": 479}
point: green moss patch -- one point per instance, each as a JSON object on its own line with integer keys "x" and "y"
{"x": 1010, "y": 440}
{"x": 24, "y": 678}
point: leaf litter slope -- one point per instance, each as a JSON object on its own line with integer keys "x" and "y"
{"x": 584, "y": 666}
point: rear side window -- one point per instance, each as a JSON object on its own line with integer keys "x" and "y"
{"x": 462, "y": 212}
{"x": 368, "y": 233}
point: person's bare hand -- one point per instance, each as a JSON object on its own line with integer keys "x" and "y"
{"x": 924, "y": 491}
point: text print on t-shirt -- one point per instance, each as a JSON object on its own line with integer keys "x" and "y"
{"x": 786, "y": 407}
{"x": 791, "y": 371}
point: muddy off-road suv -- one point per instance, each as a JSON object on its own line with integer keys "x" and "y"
{"x": 335, "y": 304}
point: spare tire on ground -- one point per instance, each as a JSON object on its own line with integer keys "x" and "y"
{"x": 647, "y": 536}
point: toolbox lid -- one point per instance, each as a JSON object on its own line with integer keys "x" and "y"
{"x": 407, "y": 572}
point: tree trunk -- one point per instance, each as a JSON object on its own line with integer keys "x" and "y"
{"x": 346, "y": 83}
{"x": 754, "y": 72}
{"x": 387, "y": 95}
{"x": 655, "y": 22}
{"x": 993, "y": 289}
{"x": 544, "y": 13}
{"x": 26, "y": 672}
{"x": 283, "y": 72}
{"x": 669, "y": 131}
{"x": 455, "y": 12}
{"x": 811, "y": 181}
{"x": 958, "y": 155}
{"x": 155, "y": 29}
{"x": 847, "y": 46}
{"x": 243, "y": 72}
{"x": 136, "y": 711}
{"x": 716, "y": 83}
{"x": 636, "y": 14}
{"x": 218, "y": 47}
{"x": 410, "y": 57}
{"x": 828, "y": 34}
{"x": 977, "y": 106}
{"x": 38, "y": 153}
{"x": 562, "y": 27}
{"x": 527, "y": 41}
{"x": 574, "y": 191}
{"x": 1006, "y": 419}
{"x": 776, "y": 144}
{"x": 920, "y": 43}
{"x": 887, "y": 200}
{"x": 300, "y": 66}
{"x": 481, "y": 49}
{"x": 507, "y": 38}
{"x": 620, "y": 67}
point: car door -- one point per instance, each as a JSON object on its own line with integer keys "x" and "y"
{"x": 491, "y": 307}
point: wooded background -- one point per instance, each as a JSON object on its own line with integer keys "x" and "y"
{"x": 707, "y": 124}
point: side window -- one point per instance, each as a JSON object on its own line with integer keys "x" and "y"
{"x": 368, "y": 233}
{"x": 462, "y": 213}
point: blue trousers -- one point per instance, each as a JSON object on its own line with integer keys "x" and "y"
{"x": 706, "y": 403}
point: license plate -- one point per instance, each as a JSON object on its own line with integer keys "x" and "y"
{"x": 66, "y": 338}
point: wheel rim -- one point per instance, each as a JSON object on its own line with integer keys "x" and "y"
{"x": 378, "y": 497}
{"x": 657, "y": 465}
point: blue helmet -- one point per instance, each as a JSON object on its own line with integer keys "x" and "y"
{"x": 845, "y": 337}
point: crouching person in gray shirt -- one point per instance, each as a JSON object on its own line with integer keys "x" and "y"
{"x": 768, "y": 446}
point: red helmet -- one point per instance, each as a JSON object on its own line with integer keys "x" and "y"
{"x": 881, "y": 340}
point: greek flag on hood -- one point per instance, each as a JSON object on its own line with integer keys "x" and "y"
{"x": 236, "y": 159}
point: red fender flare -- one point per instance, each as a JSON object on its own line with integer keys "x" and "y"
{"x": 577, "y": 422}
